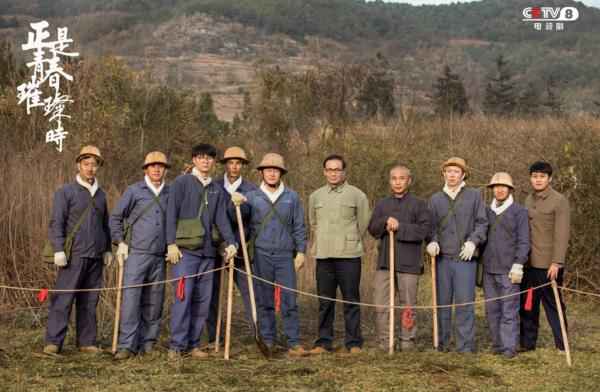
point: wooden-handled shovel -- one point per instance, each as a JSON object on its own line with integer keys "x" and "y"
{"x": 392, "y": 292}
{"x": 257, "y": 337}
{"x": 220, "y": 310}
{"x": 434, "y": 302}
{"x": 120, "y": 266}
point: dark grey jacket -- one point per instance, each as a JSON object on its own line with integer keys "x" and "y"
{"x": 467, "y": 223}
{"x": 415, "y": 225}
{"x": 184, "y": 203}
{"x": 93, "y": 237}
{"x": 149, "y": 230}
{"x": 508, "y": 239}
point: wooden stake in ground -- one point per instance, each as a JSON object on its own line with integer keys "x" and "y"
{"x": 392, "y": 292}
{"x": 262, "y": 346}
{"x": 434, "y": 302}
{"x": 563, "y": 327}
{"x": 229, "y": 309}
{"x": 120, "y": 268}
{"x": 220, "y": 310}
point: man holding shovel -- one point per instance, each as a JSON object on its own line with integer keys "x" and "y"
{"x": 138, "y": 226}
{"x": 549, "y": 218}
{"x": 338, "y": 215}
{"x": 506, "y": 250}
{"x": 234, "y": 159}
{"x": 459, "y": 227}
{"x": 196, "y": 204}
{"x": 80, "y": 237}
{"x": 278, "y": 237}
{"x": 409, "y": 219}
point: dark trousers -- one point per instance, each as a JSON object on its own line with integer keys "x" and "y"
{"x": 278, "y": 268}
{"x": 188, "y": 315}
{"x": 456, "y": 285}
{"x": 530, "y": 320}
{"x": 502, "y": 315}
{"x": 345, "y": 273}
{"x": 142, "y": 307}
{"x": 80, "y": 273}
{"x": 241, "y": 281}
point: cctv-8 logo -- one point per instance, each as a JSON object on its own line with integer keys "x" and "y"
{"x": 554, "y": 14}
{"x": 568, "y": 14}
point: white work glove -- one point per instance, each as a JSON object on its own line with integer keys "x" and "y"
{"x": 123, "y": 251}
{"x": 173, "y": 254}
{"x": 433, "y": 249}
{"x": 468, "y": 249}
{"x": 60, "y": 259}
{"x": 299, "y": 261}
{"x": 516, "y": 273}
{"x": 230, "y": 252}
{"x": 108, "y": 258}
{"x": 238, "y": 199}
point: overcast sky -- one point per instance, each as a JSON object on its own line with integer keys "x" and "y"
{"x": 594, "y": 3}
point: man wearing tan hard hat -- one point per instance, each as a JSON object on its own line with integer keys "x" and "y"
{"x": 80, "y": 237}
{"x": 459, "y": 227}
{"x": 278, "y": 235}
{"x": 138, "y": 227}
{"x": 506, "y": 250}
{"x": 234, "y": 160}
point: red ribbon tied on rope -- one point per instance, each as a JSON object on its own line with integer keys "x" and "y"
{"x": 42, "y": 295}
{"x": 529, "y": 300}
{"x": 180, "y": 293}
{"x": 277, "y": 296}
{"x": 408, "y": 318}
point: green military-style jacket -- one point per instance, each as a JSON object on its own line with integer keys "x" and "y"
{"x": 338, "y": 220}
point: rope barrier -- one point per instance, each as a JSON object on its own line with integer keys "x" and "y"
{"x": 388, "y": 306}
{"x": 160, "y": 282}
{"x": 580, "y": 292}
{"x": 299, "y": 292}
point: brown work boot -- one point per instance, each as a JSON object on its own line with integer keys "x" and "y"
{"x": 355, "y": 350}
{"x": 51, "y": 349}
{"x": 123, "y": 354}
{"x": 297, "y": 351}
{"x": 317, "y": 350}
{"x": 90, "y": 350}
{"x": 198, "y": 354}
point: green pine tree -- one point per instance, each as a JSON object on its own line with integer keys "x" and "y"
{"x": 500, "y": 93}
{"x": 449, "y": 96}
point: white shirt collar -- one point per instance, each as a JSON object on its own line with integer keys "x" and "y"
{"x": 507, "y": 203}
{"x": 150, "y": 185}
{"x": 231, "y": 187}
{"x": 452, "y": 194}
{"x": 204, "y": 180}
{"x": 273, "y": 196}
{"x": 92, "y": 188}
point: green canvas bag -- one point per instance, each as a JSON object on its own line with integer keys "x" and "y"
{"x": 190, "y": 232}
{"x": 48, "y": 250}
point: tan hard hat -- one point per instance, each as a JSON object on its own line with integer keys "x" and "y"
{"x": 456, "y": 161}
{"x": 501, "y": 178}
{"x": 235, "y": 153}
{"x": 90, "y": 151}
{"x": 156, "y": 157}
{"x": 272, "y": 160}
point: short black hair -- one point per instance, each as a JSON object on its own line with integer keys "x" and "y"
{"x": 204, "y": 149}
{"x": 541, "y": 167}
{"x": 335, "y": 157}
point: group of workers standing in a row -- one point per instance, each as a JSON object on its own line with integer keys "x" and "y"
{"x": 193, "y": 220}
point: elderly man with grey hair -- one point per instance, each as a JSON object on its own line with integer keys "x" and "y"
{"x": 409, "y": 218}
